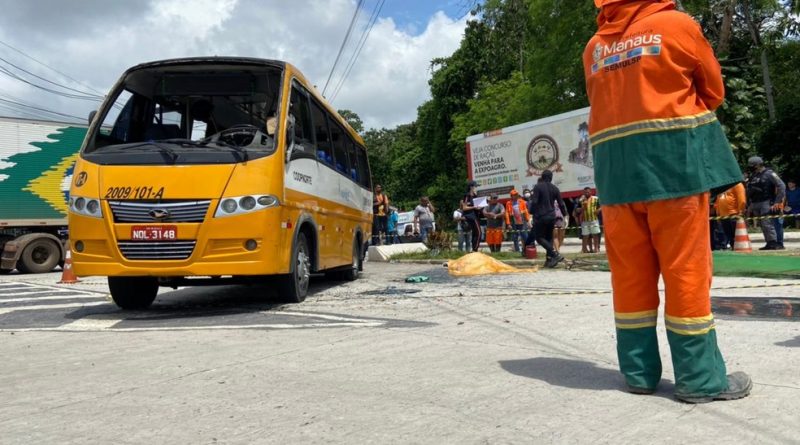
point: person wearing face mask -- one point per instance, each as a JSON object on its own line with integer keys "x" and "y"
{"x": 765, "y": 193}
{"x": 653, "y": 84}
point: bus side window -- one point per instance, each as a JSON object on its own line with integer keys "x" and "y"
{"x": 363, "y": 168}
{"x": 324, "y": 149}
{"x": 339, "y": 153}
{"x": 302, "y": 121}
{"x": 352, "y": 161}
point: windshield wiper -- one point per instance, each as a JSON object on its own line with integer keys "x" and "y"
{"x": 236, "y": 148}
{"x": 163, "y": 149}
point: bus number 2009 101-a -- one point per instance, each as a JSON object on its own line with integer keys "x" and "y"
{"x": 134, "y": 193}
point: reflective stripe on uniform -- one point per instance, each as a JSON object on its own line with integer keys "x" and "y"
{"x": 690, "y": 325}
{"x": 636, "y": 320}
{"x": 651, "y": 125}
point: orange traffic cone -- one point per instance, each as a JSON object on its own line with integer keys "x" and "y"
{"x": 741, "y": 240}
{"x": 68, "y": 275}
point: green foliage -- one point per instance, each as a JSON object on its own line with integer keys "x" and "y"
{"x": 441, "y": 240}
{"x": 353, "y": 119}
{"x": 521, "y": 60}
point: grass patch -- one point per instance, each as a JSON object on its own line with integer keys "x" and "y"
{"x": 760, "y": 265}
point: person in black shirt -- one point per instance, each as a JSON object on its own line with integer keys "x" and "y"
{"x": 544, "y": 213}
{"x": 470, "y": 213}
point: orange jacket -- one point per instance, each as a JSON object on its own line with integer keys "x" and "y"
{"x": 689, "y": 80}
{"x": 653, "y": 83}
{"x": 732, "y": 201}
{"x": 523, "y": 210}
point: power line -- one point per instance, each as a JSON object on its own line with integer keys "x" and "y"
{"x": 344, "y": 43}
{"x": 354, "y": 58}
{"x": 50, "y": 81}
{"x": 32, "y": 107}
{"x": 35, "y": 115}
{"x": 56, "y": 92}
{"x": 50, "y": 67}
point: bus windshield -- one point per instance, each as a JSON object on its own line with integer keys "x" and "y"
{"x": 189, "y": 114}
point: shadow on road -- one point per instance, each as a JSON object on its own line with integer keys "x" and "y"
{"x": 574, "y": 374}
{"x": 208, "y": 301}
{"x": 795, "y": 343}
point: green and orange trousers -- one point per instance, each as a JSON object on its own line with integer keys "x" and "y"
{"x": 666, "y": 238}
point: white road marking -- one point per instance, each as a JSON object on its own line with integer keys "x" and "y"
{"x": 315, "y": 315}
{"x": 4, "y": 311}
{"x": 90, "y": 324}
{"x": 202, "y": 328}
{"x": 53, "y": 297}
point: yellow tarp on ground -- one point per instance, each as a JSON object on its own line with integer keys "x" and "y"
{"x": 481, "y": 264}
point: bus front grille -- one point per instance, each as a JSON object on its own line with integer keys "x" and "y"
{"x": 161, "y": 250}
{"x": 162, "y": 212}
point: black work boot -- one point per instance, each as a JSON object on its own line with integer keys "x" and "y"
{"x": 769, "y": 246}
{"x": 739, "y": 386}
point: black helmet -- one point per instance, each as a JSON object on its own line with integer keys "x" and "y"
{"x": 755, "y": 161}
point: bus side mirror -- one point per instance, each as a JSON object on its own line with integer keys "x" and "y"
{"x": 92, "y": 114}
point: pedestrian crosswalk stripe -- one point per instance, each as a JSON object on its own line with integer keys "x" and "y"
{"x": 40, "y": 291}
{"x": 55, "y": 297}
{"x": 7, "y": 310}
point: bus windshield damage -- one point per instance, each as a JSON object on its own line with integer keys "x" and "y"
{"x": 189, "y": 114}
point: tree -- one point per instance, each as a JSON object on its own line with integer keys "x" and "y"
{"x": 353, "y": 119}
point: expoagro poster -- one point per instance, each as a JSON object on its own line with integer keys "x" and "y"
{"x": 515, "y": 157}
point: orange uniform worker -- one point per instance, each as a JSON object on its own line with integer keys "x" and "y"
{"x": 653, "y": 83}
{"x": 517, "y": 217}
{"x": 731, "y": 202}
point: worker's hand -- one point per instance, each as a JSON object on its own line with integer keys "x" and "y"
{"x": 777, "y": 207}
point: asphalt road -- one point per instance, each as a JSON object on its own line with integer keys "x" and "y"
{"x": 526, "y": 358}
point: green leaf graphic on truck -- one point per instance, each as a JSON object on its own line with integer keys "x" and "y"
{"x": 36, "y": 164}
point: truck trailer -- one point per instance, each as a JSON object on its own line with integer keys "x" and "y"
{"x": 515, "y": 157}
{"x": 37, "y": 159}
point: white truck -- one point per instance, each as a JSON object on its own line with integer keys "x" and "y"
{"x": 36, "y": 163}
{"x": 515, "y": 157}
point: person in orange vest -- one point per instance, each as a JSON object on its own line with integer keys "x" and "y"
{"x": 653, "y": 83}
{"x": 517, "y": 217}
{"x": 731, "y": 203}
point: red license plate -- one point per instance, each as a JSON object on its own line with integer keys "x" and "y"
{"x": 154, "y": 233}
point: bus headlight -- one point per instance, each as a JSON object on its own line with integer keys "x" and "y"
{"x": 247, "y": 203}
{"x": 85, "y": 206}
{"x": 229, "y": 205}
{"x": 238, "y": 205}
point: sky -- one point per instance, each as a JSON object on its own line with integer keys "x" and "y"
{"x": 94, "y": 41}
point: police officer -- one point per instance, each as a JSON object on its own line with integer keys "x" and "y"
{"x": 765, "y": 195}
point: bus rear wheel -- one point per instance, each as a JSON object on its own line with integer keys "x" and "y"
{"x": 133, "y": 292}
{"x": 351, "y": 273}
{"x": 293, "y": 288}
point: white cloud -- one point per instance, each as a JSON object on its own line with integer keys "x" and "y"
{"x": 387, "y": 84}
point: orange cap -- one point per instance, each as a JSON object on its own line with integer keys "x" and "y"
{"x": 514, "y": 192}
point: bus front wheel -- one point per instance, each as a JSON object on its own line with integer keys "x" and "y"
{"x": 293, "y": 288}
{"x": 133, "y": 292}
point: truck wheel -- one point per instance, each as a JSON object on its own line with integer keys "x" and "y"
{"x": 39, "y": 256}
{"x": 133, "y": 292}
{"x": 293, "y": 288}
